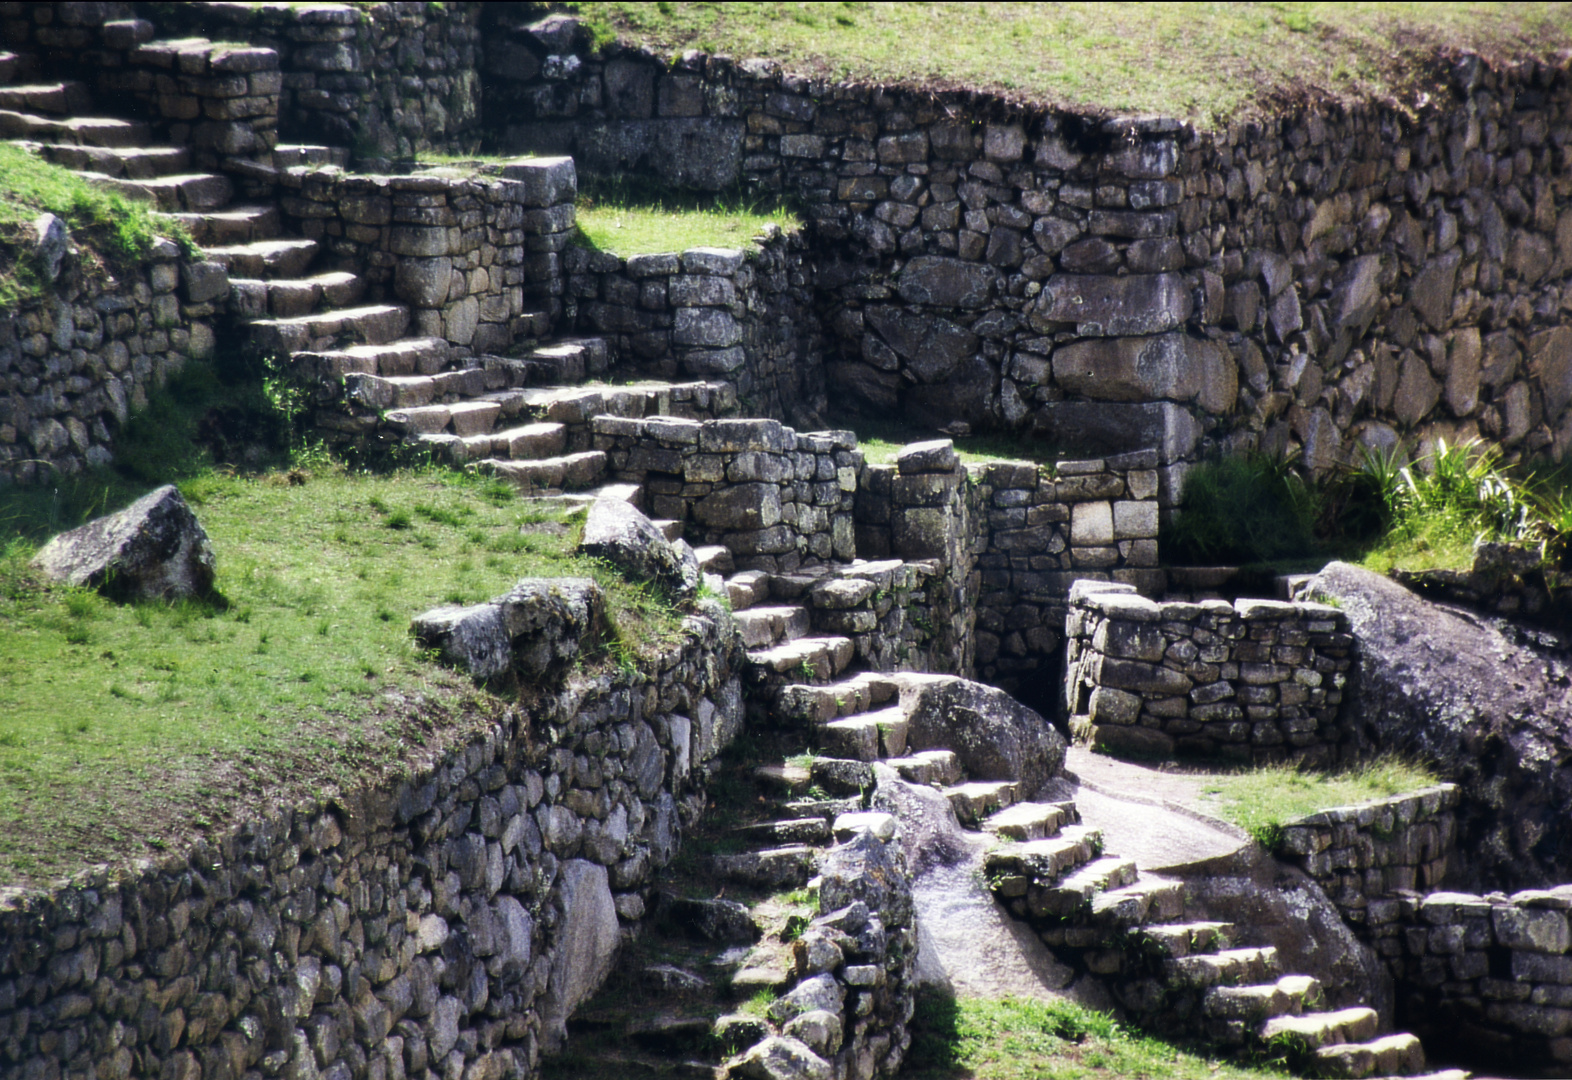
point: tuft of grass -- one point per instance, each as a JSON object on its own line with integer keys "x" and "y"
{"x": 1203, "y": 62}
{"x": 1016, "y": 1039}
{"x": 298, "y": 677}
{"x": 631, "y": 218}
{"x": 118, "y": 229}
{"x": 1242, "y": 510}
{"x": 882, "y": 440}
{"x": 1261, "y": 800}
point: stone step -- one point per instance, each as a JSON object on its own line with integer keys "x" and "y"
{"x": 290, "y": 155}
{"x": 407, "y": 356}
{"x": 569, "y": 472}
{"x": 67, "y": 98}
{"x": 976, "y": 800}
{"x": 762, "y": 627}
{"x": 715, "y": 559}
{"x": 827, "y": 809}
{"x": 931, "y": 767}
{"x": 374, "y": 324}
{"x": 787, "y": 867}
{"x": 461, "y": 391}
{"x": 805, "y": 703}
{"x": 784, "y": 778}
{"x": 841, "y": 776}
{"x": 669, "y": 528}
{"x": 81, "y": 130}
{"x": 182, "y": 191}
{"x": 193, "y": 55}
{"x": 811, "y": 657}
{"x": 576, "y": 358}
{"x": 10, "y": 63}
{"x": 802, "y": 830}
{"x": 531, "y": 442}
{"x": 235, "y": 225}
{"x": 880, "y": 823}
{"x": 1391, "y": 1055}
{"x": 266, "y": 258}
{"x": 1315, "y": 1030}
{"x": 288, "y": 298}
{"x": 1031, "y": 821}
{"x": 867, "y": 736}
{"x": 129, "y": 162}
{"x": 1175, "y": 940}
{"x": 747, "y": 588}
{"x": 1016, "y": 869}
{"x": 1241, "y": 1010}
{"x": 1150, "y": 899}
{"x": 1229, "y": 967}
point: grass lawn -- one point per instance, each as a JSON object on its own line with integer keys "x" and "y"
{"x": 1260, "y": 800}
{"x": 133, "y": 729}
{"x": 627, "y": 219}
{"x": 1203, "y": 61}
{"x": 1033, "y": 1040}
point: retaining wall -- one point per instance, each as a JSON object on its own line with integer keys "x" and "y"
{"x": 74, "y": 365}
{"x": 442, "y": 926}
{"x": 742, "y": 315}
{"x": 1324, "y": 281}
{"x": 1255, "y": 680}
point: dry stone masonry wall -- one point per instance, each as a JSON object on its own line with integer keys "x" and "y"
{"x": 442, "y": 926}
{"x": 1329, "y": 280}
{"x": 741, "y": 315}
{"x": 1489, "y": 978}
{"x": 1255, "y": 680}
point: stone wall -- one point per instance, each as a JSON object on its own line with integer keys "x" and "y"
{"x": 742, "y": 315}
{"x": 386, "y": 80}
{"x": 76, "y": 362}
{"x": 1512, "y": 580}
{"x": 444, "y": 925}
{"x": 1252, "y": 680}
{"x": 1324, "y": 281}
{"x": 1487, "y": 980}
{"x": 776, "y": 498}
{"x": 1362, "y": 856}
{"x": 474, "y": 254}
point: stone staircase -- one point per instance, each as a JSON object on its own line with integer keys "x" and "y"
{"x": 1178, "y": 973}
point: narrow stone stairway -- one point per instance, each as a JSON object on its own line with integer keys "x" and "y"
{"x": 1176, "y": 972}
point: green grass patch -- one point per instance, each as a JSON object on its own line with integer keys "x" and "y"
{"x": 628, "y": 218}
{"x": 1242, "y": 510}
{"x": 1261, "y": 800}
{"x": 1205, "y": 62}
{"x": 117, "y": 229}
{"x": 882, "y": 441}
{"x": 1015, "y": 1039}
{"x": 125, "y": 725}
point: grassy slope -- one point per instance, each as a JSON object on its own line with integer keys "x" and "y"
{"x": 1203, "y": 61}
{"x": 109, "y": 226}
{"x": 1261, "y": 800}
{"x": 130, "y": 729}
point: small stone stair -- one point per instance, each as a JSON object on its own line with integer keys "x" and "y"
{"x": 1173, "y": 972}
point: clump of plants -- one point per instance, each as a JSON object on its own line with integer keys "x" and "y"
{"x": 1239, "y": 510}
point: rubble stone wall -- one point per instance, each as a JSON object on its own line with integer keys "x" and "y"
{"x": 1252, "y": 680}
{"x": 445, "y": 925}
{"x": 711, "y": 313}
{"x": 74, "y": 365}
{"x": 1328, "y": 280}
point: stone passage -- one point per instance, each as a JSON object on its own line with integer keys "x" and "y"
{"x": 1255, "y": 680}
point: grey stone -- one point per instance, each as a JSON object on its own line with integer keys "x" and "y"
{"x": 205, "y": 281}
{"x": 542, "y": 181}
{"x": 1114, "y": 427}
{"x": 820, "y": 992}
{"x": 740, "y": 506}
{"x": 1172, "y": 366}
{"x": 718, "y": 920}
{"x": 1113, "y": 306}
{"x": 153, "y": 549}
{"x": 819, "y": 1030}
{"x": 51, "y": 243}
{"x": 1430, "y": 293}
{"x": 1417, "y": 392}
{"x": 944, "y": 282}
{"x": 933, "y": 347}
{"x": 934, "y": 456}
{"x": 474, "y": 638}
{"x": 423, "y": 282}
{"x": 779, "y": 1058}
{"x": 616, "y": 531}
{"x": 586, "y": 945}
{"x": 1550, "y": 361}
{"x": 994, "y": 736}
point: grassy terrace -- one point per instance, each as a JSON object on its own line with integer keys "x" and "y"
{"x": 1206, "y": 62}
{"x": 133, "y": 729}
{"x": 625, "y": 219}
{"x": 1260, "y": 800}
{"x": 109, "y": 227}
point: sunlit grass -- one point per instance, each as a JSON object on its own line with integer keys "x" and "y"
{"x": 1203, "y": 61}
{"x": 626, "y": 221}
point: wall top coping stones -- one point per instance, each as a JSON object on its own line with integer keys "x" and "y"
{"x": 1443, "y": 906}
{"x": 1424, "y": 802}
{"x": 933, "y": 456}
{"x": 1122, "y": 602}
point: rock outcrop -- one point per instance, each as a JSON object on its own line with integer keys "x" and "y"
{"x": 617, "y": 532}
{"x": 994, "y": 736}
{"x": 1488, "y": 708}
{"x": 154, "y": 549}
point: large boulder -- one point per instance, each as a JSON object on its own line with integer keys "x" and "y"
{"x": 153, "y": 549}
{"x": 1482, "y": 702}
{"x": 617, "y": 532}
{"x": 585, "y": 945}
{"x": 537, "y": 630}
{"x": 995, "y": 736}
